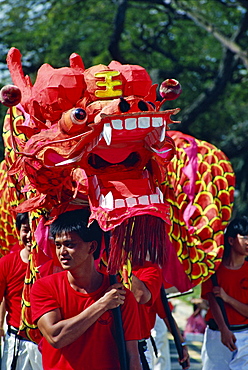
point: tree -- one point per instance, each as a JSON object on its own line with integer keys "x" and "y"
{"x": 200, "y": 43}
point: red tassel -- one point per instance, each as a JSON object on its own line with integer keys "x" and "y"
{"x": 139, "y": 238}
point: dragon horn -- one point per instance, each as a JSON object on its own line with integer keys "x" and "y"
{"x": 76, "y": 61}
{"x": 16, "y": 72}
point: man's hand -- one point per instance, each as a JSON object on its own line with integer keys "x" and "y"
{"x": 114, "y": 296}
{"x": 2, "y": 332}
{"x": 185, "y": 357}
{"x": 228, "y": 339}
{"x": 219, "y": 292}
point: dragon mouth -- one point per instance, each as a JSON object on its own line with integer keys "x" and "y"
{"x": 123, "y": 194}
{"x": 136, "y": 125}
{"x": 123, "y": 135}
{"x": 124, "y": 139}
{"x": 151, "y": 130}
{"x": 99, "y": 163}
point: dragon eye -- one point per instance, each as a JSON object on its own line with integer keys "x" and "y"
{"x": 124, "y": 105}
{"x": 78, "y": 116}
{"x": 73, "y": 121}
{"x": 143, "y": 106}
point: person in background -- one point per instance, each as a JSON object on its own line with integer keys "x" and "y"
{"x": 158, "y": 310}
{"x": 146, "y": 286}
{"x": 18, "y": 353}
{"x": 146, "y": 282}
{"x": 73, "y": 308}
{"x": 196, "y": 324}
{"x": 161, "y": 359}
{"x": 225, "y": 344}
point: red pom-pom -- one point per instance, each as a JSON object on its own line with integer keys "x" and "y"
{"x": 10, "y": 95}
{"x": 170, "y": 89}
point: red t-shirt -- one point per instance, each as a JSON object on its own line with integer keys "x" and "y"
{"x": 235, "y": 284}
{"x": 12, "y": 275}
{"x": 96, "y": 348}
{"x": 150, "y": 274}
{"x": 158, "y": 308}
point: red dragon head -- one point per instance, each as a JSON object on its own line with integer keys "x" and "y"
{"x": 114, "y": 133}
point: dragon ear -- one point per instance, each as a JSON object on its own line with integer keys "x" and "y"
{"x": 15, "y": 67}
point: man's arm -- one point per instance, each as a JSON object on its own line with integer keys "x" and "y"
{"x": 242, "y": 308}
{"x": 133, "y": 355}
{"x": 146, "y": 283}
{"x": 141, "y": 293}
{"x": 2, "y": 317}
{"x": 227, "y": 337}
{"x": 185, "y": 348}
{"x": 60, "y": 333}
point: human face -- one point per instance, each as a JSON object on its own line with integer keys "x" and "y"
{"x": 72, "y": 251}
{"x": 240, "y": 244}
{"x": 25, "y": 236}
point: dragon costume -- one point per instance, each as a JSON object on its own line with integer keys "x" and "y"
{"x": 98, "y": 138}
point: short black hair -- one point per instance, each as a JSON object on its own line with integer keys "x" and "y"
{"x": 21, "y": 218}
{"x": 238, "y": 225}
{"x": 77, "y": 221}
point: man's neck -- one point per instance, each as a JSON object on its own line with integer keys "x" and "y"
{"x": 234, "y": 261}
{"x": 85, "y": 282}
{"x": 24, "y": 254}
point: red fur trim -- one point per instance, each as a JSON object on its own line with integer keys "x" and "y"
{"x": 140, "y": 238}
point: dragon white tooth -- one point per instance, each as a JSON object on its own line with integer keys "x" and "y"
{"x": 144, "y": 200}
{"x": 119, "y": 203}
{"x": 154, "y": 198}
{"x": 157, "y": 121}
{"x": 143, "y": 122}
{"x": 98, "y": 192}
{"x": 107, "y": 133}
{"x": 94, "y": 181}
{"x": 160, "y": 194}
{"x": 117, "y": 124}
{"x": 109, "y": 200}
{"x": 102, "y": 201}
{"x": 162, "y": 136}
{"x": 131, "y": 202}
{"x": 130, "y": 123}
{"x": 68, "y": 161}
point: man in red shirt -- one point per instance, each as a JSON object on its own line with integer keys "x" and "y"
{"x": 146, "y": 283}
{"x": 21, "y": 352}
{"x": 158, "y": 310}
{"x": 146, "y": 286}
{"x": 73, "y": 308}
{"x": 225, "y": 343}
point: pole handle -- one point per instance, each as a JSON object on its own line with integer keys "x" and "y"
{"x": 174, "y": 332}
{"x": 121, "y": 344}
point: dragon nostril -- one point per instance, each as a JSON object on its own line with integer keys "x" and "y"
{"x": 143, "y": 106}
{"x": 124, "y": 106}
{"x": 152, "y": 104}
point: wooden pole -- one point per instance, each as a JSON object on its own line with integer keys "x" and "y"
{"x": 121, "y": 344}
{"x": 173, "y": 328}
